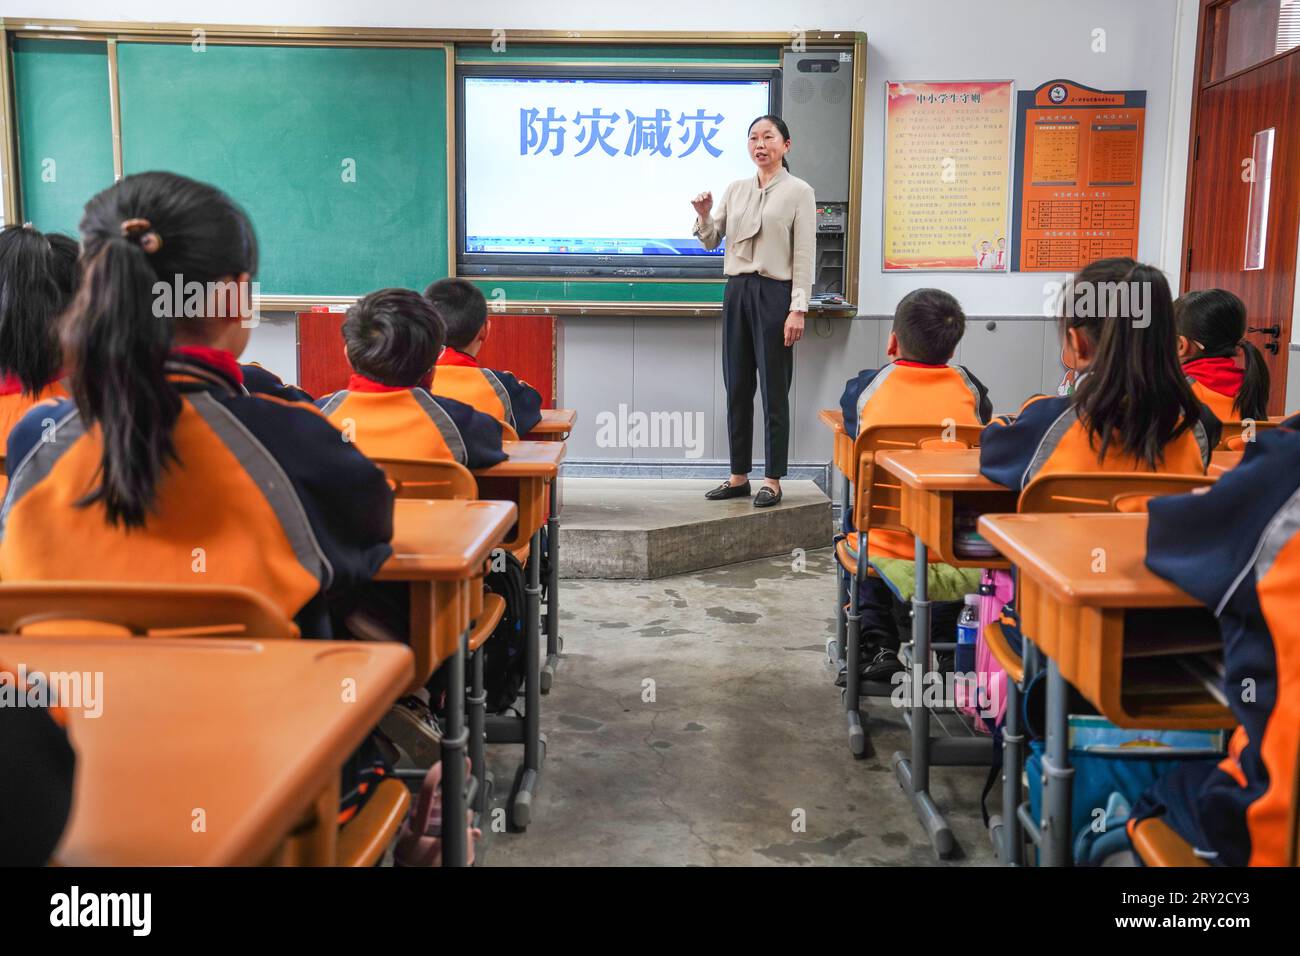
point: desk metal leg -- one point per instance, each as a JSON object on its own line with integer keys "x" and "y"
{"x": 552, "y": 588}
{"x": 1007, "y": 839}
{"x": 1056, "y": 770}
{"x": 837, "y": 647}
{"x": 852, "y": 677}
{"x": 476, "y": 705}
{"x": 453, "y": 762}
{"x": 914, "y": 774}
{"x": 521, "y": 807}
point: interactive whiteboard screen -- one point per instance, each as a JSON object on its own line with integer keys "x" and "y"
{"x": 598, "y": 168}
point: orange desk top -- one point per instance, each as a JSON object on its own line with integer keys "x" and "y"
{"x": 555, "y": 421}
{"x": 832, "y": 418}
{"x": 248, "y": 732}
{"x": 528, "y": 459}
{"x": 1057, "y": 551}
{"x": 957, "y": 470}
{"x": 1222, "y": 461}
{"x": 444, "y": 540}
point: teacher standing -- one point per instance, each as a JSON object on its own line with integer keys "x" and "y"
{"x": 769, "y": 221}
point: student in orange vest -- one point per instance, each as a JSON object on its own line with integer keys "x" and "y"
{"x": 1211, "y": 331}
{"x": 38, "y": 275}
{"x": 162, "y": 468}
{"x": 499, "y": 394}
{"x": 393, "y": 338}
{"x": 1132, "y": 408}
{"x": 1236, "y": 548}
{"x": 917, "y": 386}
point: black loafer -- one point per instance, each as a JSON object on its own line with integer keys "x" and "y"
{"x": 766, "y": 497}
{"x": 728, "y": 490}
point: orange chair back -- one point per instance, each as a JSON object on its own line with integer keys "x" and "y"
{"x": 428, "y": 479}
{"x": 878, "y": 494}
{"x": 121, "y": 609}
{"x": 1102, "y": 491}
{"x": 1236, "y": 435}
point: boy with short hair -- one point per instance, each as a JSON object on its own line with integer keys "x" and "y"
{"x": 463, "y": 310}
{"x": 918, "y": 386}
{"x": 392, "y": 338}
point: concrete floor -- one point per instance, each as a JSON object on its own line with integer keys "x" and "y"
{"x": 743, "y": 738}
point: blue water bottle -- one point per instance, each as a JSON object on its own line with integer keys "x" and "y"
{"x": 968, "y": 629}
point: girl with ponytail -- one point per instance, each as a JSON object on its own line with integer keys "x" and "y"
{"x": 163, "y": 467}
{"x": 1132, "y": 408}
{"x": 38, "y": 275}
{"x": 1211, "y": 331}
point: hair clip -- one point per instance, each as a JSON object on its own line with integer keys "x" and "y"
{"x": 141, "y": 230}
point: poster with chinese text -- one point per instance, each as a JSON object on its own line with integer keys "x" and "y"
{"x": 1078, "y": 176}
{"x": 947, "y": 169}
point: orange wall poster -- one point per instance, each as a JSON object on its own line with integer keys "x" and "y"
{"x": 947, "y": 169}
{"x": 1078, "y": 176}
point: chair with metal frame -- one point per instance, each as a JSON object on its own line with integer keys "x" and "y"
{"x": 876, "y": 506}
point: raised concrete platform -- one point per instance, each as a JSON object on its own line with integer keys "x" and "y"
{"x": 646, "y": 528}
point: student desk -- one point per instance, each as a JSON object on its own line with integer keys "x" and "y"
{"x": 441, "y": 547}
{"x": 523, "y": 479}
{"x": 935, "y": 485}
{"x": 1223, "y": 461}
{"x": 556, "y": 424}
{"x": 1087, "y": 601}
{"x": 842, "y": 459}
{"x": 246, "y": 737}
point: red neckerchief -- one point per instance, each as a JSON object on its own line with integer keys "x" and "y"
{"x": 360, "y": 383}
{"x": 1217, "y": 374}
{"x": 219, "y": 360}
{"x": 451, "y": 356}
{"x": 10, "y": 384}
{"x": 908, "y": 363}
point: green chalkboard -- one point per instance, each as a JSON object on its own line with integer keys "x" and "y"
{"x": 65, "y": 129}
{"x": 339, "y": 154}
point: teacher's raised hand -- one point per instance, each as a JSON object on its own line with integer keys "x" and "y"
{"x": 703, "y": 204}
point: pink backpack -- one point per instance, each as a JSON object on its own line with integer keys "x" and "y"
{"x": 997, "y": 589}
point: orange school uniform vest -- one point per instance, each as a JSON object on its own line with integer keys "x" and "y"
{"x": 263, "y": 494}
{"x": 494, "y": 393}
{"x": 1047, "y": 437}
{"x": 14, "y": 404}
{"x": 473, "y": 387}
{"x": 388, "y": 422}
{"x": 911, "y": 393}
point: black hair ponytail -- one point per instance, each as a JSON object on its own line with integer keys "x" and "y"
{"x": 1134, "y": 393}
{"x": 1215, "y": 320}
{"x": 148, "y": 229}
{"x": 780, "y": 128}
{"x": 38, "y": 275}
{"x": 1252, "y": 398}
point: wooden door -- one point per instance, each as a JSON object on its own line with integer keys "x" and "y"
{"x": 1243, "y": 214}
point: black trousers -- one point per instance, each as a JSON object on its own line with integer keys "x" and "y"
{"x": 754, "y": 309}
{"x": 887, "y": 621}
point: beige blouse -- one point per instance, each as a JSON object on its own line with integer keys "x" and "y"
{"x": 770, "y": 230}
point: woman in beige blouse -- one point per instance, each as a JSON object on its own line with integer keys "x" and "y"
{"x": 769, "y": 221}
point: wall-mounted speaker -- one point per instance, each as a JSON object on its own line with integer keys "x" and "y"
{"x": 817, "y": 105}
